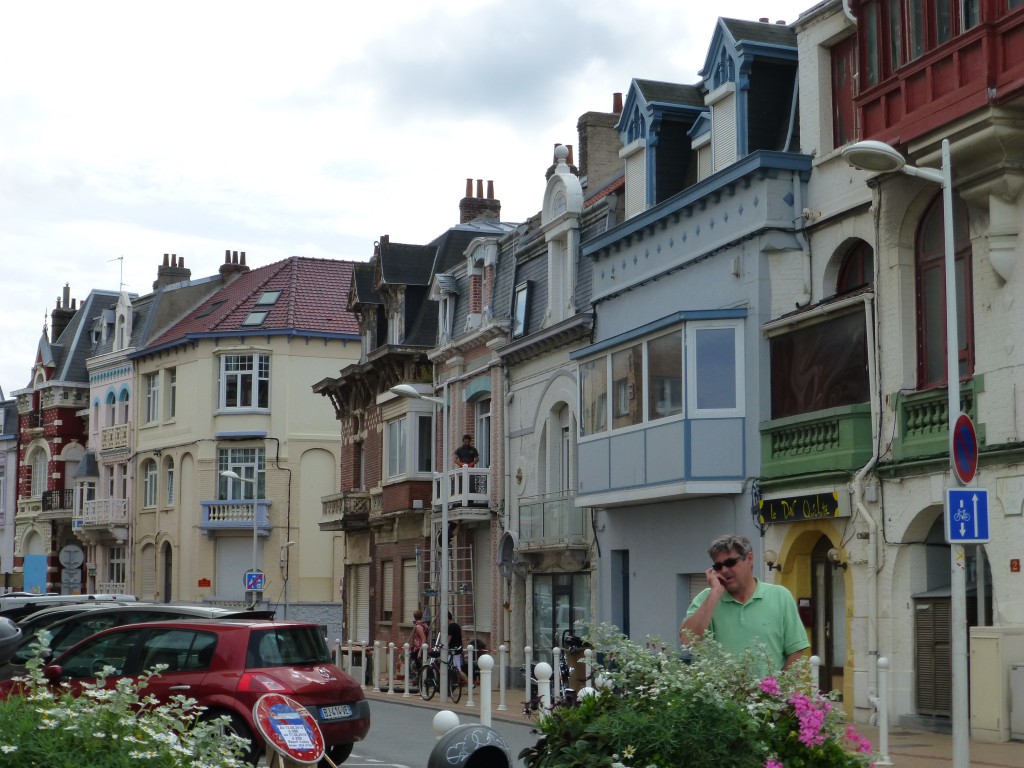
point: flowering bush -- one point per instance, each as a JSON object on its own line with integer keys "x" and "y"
{"x": 108, "y": 727}
{"x": 655, "y": 711}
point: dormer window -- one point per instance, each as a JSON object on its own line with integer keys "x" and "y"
{"x": 268, "y": 298}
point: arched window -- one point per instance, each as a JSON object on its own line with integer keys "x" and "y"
{"x": 929, "y": 251}
{"x": 38, "y": 461}
{"x": 111, "y": 409}
{"x": 123, "y": 399}
{"x": 857, "y": 269}
{"x": 169, "y": 478}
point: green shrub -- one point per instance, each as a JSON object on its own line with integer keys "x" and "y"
{"x": 43, "y": 725}
{"x": 719, "y": 711}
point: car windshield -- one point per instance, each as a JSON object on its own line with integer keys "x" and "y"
{"x": 286, "y": 646}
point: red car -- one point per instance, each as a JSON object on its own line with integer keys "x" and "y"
{"x": 226, "y": 666}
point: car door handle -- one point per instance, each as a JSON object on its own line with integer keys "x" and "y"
{"x": 180, "y": 688}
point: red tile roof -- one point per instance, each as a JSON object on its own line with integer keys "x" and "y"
{"x": 313, "y": 301}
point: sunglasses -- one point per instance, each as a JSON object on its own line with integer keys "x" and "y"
{"x": 729, "y": 562}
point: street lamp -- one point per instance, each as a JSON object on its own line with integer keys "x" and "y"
{"x": 440, "y": 403}
{"x": 882, "y": 158}
{"x": 232, "y": 475}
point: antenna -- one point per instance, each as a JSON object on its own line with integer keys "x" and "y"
{"x": 120, "y": 286}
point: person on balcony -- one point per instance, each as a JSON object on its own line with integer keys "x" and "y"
{"x": 466, "y": 455}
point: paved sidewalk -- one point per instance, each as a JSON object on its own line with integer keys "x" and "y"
{"x": 907, "y": 748}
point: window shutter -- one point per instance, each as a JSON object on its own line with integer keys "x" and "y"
{"x": 410, "y": 589}
{"x": 704, "y": 162}
{"x": 723, "y": 132}
{"x": 636, "y": 183}
{"x": 483, "y": 580}
{"x": 148, "y": 566}
{"x": 387, "y": 592}
{"x": 359, "y": 603}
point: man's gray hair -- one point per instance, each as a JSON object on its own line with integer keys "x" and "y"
{"x": 728, "y": 543}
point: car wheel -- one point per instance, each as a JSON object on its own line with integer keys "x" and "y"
{"x": 237, "y": 726}
{"x": 338, "y": 753}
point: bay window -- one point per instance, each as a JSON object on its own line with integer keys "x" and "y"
{"x": 409, "y": 445}
{"x": 244, "y": 381}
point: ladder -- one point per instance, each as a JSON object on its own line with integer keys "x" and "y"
{"x": 461, "y": 600}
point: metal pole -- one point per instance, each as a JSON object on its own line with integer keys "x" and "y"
{"x": 443, "y": 610}
{"x": 958, "y": 576}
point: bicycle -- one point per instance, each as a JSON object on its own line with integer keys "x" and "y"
{"x": 430, "y": 674}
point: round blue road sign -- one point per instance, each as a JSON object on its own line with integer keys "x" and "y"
{"x": 965, "y": 449}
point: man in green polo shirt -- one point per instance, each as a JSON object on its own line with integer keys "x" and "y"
{"x": 743, "y": 612}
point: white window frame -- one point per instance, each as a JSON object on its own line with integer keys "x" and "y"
{"x": 406, "y": 466}
{"x": 40, "y": 462}
{"x": 152, "y": 397}
{"x": 483, "y": 430}
{"x": 387, "y": 590}
{"x": 172, "y": 392}
{"x": 248, "y": 377}
{"x": 396, "y": 447}
{"x": 169, "y": 475}
{"x": 248, "y": 463}
{"x": 693, "y": 328}
{"x": 117, "y": 570}
{"x": 149, "y": 480}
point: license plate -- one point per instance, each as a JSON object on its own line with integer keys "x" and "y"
{"x": 335, "y": 712}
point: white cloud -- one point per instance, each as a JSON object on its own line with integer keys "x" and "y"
{"x": 138, "y": 128}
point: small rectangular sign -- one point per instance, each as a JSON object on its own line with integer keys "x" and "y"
{"x": 814, "y": 506}
{"x": 967, "y": 516}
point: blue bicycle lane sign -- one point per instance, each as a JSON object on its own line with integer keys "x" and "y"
{"x": 967, "y": 516}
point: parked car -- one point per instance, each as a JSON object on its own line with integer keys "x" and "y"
{"x": 15, "y": 606}
{"x": 70, "y": 624}
{"x": 226, "y": 666}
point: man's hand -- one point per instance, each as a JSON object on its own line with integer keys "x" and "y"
{"x": 715, "y": 581}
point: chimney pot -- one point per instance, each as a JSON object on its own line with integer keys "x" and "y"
{"x": 469, "y": 187}
{"x": 234, "y": 257}
{"x": 227, "y": 257}
{"x": 781, "y": 21}
{"x": 181, "y": 262}
{"x": 617, "y": 103}
{"x": 763, "y": 19}
{"x": 165, "y": 259}
{"x": 569, "y": 158}
{"x": 242, "y": 255}
{"x": 490, "y": 190}
{"x": 67, "y": 294}
{"x": 480, "y": 188}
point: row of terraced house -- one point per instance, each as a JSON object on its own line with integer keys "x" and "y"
{"x": 713, "y": 324}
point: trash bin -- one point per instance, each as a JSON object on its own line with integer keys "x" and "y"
{"x": 10, "y": 638}
{"x": 470, "y": 746}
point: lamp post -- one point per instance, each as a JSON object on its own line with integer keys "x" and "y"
{"x": 882, "y": 158}
{"x": 440, "y": 404}
{"x": 232, "y": 475}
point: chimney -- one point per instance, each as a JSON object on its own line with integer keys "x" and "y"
{"x": 599, "y": 145}
{"x": 171, "y": 271}
{"x": 233, "y": 266}
{"x": 62, "y": 314}
{"x": 479, "y": 207}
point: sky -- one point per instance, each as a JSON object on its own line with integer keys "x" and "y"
{"x": 309, "y": 128}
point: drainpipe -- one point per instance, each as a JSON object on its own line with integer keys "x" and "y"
{"x": 862, "y": 510}
{"x": 801, "y": 238}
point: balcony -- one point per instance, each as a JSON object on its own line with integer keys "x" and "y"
{"x": 236, "y": 515}
{"x": 36, "y": 421}
{"x": 112, "y": 438}
{"x": 58, "y": 501}
{"x": 105, "y": 513}
{"x": 923, "y": 422}
{"x": 110, "y": 588}
{"x": 347, "y": 511}
{"x": 832, "y": 440}
{"x": 552, "y": 520}
{"x": 467, "y": 487}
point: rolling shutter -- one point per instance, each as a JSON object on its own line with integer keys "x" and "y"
{"x": 147, "y": 565}
{"x": 636, "y": 183}
{"x": 723, "y": 132}
{"x": 483, "y": 579}
{"x": 410, "y": 589}
{"x": 358, "y": 609}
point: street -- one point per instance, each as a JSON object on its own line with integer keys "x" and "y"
{"x": 401, "y": 736}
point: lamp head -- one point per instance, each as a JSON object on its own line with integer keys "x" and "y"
{"x": 406, "y": 390}
{"x": 874, "y": 156}
{"x": 231, "y": 474}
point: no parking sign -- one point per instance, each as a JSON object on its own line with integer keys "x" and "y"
{"x": 289, "y": 729}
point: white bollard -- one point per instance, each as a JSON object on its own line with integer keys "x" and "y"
{"x": 588, "y": 667}
{"x": 544, "y": 687}
{"x": 408, "y": 671}
{"x": 339, "y": 657}
{"x": 470, "y": 652}
{"x": 486, "y": 665}
{"x": 556, "y": 675}
{"x": 443, "y": 722}
{"x": 348, "y": 659}
{"x": 375, "y": 684}
{"x": 528, "y": 659}
{"x": 883, "y": 711}
{"x": 502, "y": 667}
{"x": 391, "y": 669}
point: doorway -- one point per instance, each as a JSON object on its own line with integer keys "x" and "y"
{"x": 828, "y": 596}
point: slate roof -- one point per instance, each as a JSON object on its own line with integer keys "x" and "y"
{"x": 670, "y": 93}
{"x": 313, "y": 302}
{"x": 405, "y": 264}
{"x": 760, "y": 32}
{"x": 364, "y": 291}
{"x": 74, "y": 346}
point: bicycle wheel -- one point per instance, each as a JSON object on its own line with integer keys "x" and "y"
{"x": 454, "y": 685}
{"x": 428, "y": 683}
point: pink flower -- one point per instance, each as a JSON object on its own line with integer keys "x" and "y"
{"x": 773, "y": 763}
{"x": 860, "y": 743}
{"x": 770, "y": 686}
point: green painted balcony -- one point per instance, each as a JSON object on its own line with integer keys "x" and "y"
{"x": 831, "y": 440}
{"x": 923, "y": 426}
